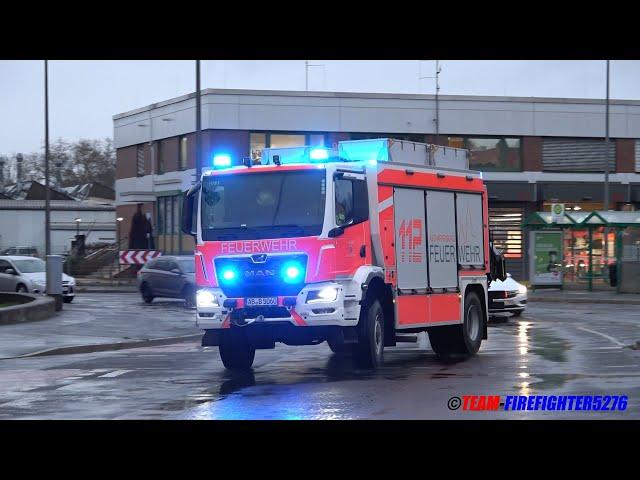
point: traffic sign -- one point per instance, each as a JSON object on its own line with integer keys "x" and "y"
{"x": 137, "y": 257}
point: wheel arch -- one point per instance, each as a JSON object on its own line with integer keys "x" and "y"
{"x": 479, "y": 290}
{"x": 376, "y": 289}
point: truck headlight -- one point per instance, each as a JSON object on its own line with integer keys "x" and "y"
{"x": 204, "y": 298}
{"x": 326, "y": 294}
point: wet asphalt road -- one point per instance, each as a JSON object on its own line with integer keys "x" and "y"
{"x": 554, "y": 349}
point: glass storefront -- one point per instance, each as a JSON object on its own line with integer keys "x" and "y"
{"x": 579, "y": 246}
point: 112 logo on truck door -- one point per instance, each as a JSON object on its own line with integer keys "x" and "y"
{"x": 411, "y": 240}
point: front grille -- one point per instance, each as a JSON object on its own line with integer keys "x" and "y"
{"x": 260, "y": 279}
{"x": 266, "y": 312}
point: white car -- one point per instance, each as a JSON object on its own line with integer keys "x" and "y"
{"x": 28, "y": 274}
{"x": 507, "y": 297}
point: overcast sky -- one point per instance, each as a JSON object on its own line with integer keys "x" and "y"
{"x": 84, "y": 95}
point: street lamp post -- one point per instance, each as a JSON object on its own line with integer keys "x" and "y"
{"x": 198, "y": 158}
{"x": 119, "y": 222}
{"x": 606, "y": 147}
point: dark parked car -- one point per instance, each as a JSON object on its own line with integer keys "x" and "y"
{"x": 169, "y": 277}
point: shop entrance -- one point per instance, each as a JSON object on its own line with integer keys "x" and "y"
{"x": 599, "y": 250}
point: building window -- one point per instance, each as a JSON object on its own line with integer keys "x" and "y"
{"x": 182, "y": 153}
{"x": 258, "y": 141}
{"x": 160, "y": 157}
{"x": 261, "y": 140}
{"x": 168, "y": 215}
{"x": 316, "y": 140}
{"x": 278, "y": 140}
{"x": 491, "y": 154}
{"x": 140, "y": 160}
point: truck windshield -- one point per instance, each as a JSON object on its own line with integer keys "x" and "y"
{"x": 263, "y": 205}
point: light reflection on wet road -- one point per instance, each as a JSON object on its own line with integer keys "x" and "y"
{"x": 579, "y": 350}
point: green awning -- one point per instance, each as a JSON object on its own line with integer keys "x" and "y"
{"x": 600, "y": 218}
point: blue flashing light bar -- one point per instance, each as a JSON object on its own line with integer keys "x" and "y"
{"x": 319, "y": 154}
{"x": 221, "y": 160}
{"x": 371, "y": 151}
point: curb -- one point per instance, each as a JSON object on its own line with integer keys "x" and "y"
{"x": 105, "y": 347}
{"x": 35, "y": 308}
{"x": 609, "y": 301}
{"x": 106, "y": 290}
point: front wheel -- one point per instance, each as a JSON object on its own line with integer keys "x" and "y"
{"x": 67, "y": 299}
{"x": 517, "y": 313}
{"x": 22, "y": 289}
{"x": 235, "y": 351}
{"x": 369, "y": 351}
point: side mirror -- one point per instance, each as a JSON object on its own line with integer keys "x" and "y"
{"x": 10, "y": 271}
{"x": 336, "y": 232}
{"x": 497, "y": 265}
{"x": 188, "y": 205}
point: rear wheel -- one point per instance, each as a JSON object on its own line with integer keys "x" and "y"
{"x": 67, "y": 299}
{"x": 462, "y": 339}
{"x": 235, "y": 351}
{"x": 369, "y": 351}
{"x": 147, "y": 294}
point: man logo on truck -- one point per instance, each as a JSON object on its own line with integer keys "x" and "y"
{"x": 410, "y": 239}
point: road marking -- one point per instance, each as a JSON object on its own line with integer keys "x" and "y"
{"x": 620, "y": 344}
{"x": 115, "y": 373}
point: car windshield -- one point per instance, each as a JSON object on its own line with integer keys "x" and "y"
{"x": 187, "y": 265}
{"x": 263, "y": 205}
{"x": 32, "y": 265}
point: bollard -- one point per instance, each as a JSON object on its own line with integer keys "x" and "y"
{"x": 54, "y": 279}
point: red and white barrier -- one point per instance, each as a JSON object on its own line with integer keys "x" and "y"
{"x": 137, "y": 257}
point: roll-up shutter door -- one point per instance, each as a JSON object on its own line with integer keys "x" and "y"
{"x": 638, "y": 156}
{"x": 505, "y": 225}
{"x": 576, "y": 155}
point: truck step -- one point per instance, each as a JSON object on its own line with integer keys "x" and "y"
{"x": 407, "y": 338}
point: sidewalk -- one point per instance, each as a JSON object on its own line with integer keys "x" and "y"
{"x": 100, "y": 322}
{"x": 583, "y": 296}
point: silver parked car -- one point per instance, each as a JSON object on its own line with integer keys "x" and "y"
{"x": 28, "y": 274}
{"x": 169, "y": 277}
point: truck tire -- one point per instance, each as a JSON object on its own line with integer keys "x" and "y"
{"x": 337, "y": 347}
{"x": 369, "y": 351}
{"x": 462, "y": 339}
{"x": 235, "y": 351}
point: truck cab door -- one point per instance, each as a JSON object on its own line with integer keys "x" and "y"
{"x": 351, "y": 212}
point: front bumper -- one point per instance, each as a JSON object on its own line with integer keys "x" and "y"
{"x": 343, "y": 311}
{"x": 502, "y": 305}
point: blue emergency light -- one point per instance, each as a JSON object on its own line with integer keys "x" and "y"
{"x": 221, "y": 160}
{"x": 319, "y": 154}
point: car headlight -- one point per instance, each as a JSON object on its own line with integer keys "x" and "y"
{"x": 204, "y": 298}
{"x": 522, "y": 289}
{"x": 326, "y": 294}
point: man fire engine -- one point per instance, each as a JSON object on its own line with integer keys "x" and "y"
{"x": 355, "y": 246}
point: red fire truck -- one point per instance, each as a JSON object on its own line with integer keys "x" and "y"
{"x": 356, "y": 246}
